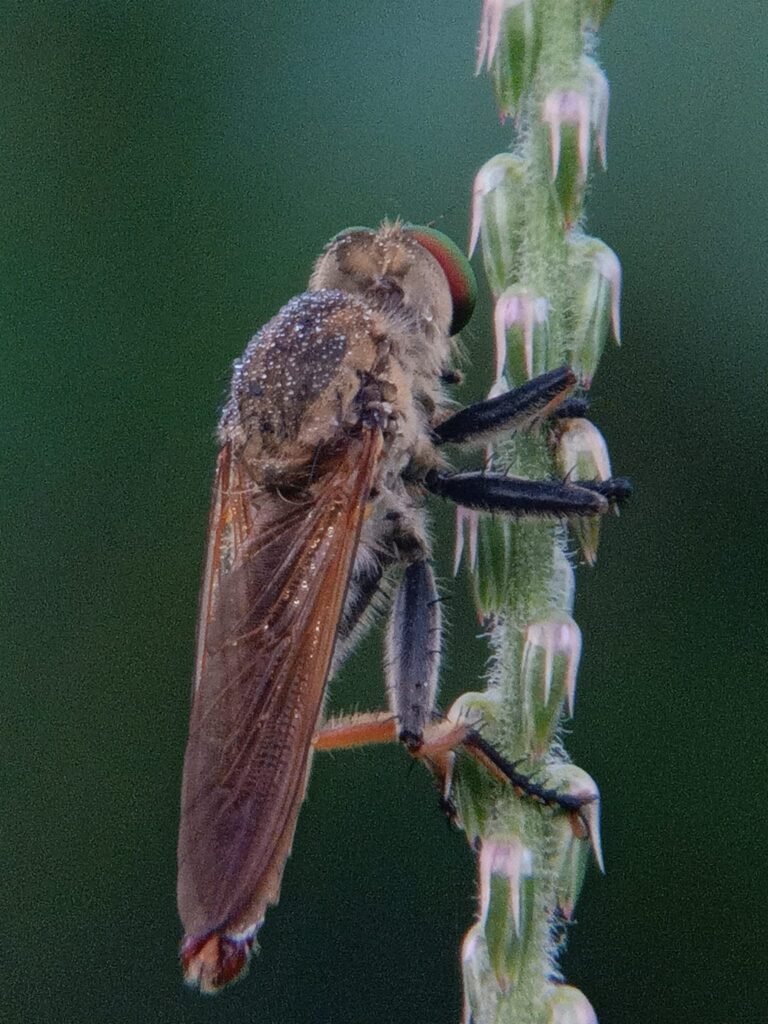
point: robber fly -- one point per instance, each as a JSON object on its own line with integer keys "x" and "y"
{"x": 329, "y": 444}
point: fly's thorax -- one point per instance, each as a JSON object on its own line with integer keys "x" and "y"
{"x": 392, "y": 272}
{"x": 303, "y": 382}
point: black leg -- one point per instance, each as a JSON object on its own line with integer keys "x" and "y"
{"x": 493, "y": 492}
{"x": 524, "y": 784}
{"x": 413, "y": 652}
{"x": 366, "y": 582}
{"x": 363, "y": 587}
{"x": 519, "y": 407}
{"x": 616, "y": 489}
{"x": 571, "y": 409}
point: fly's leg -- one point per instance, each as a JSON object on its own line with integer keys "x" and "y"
{"x": 364, "y": 729}
{"x": 365, "y": 584}
{"x": 537, "y": 399}
{"x": 573, "y": 408}
{"x": 413, "y": 645}
{"x": 513, "y": 496}
{"x": 440, "y": 739}
{"x": 413, "y": 649}
{"x": 543, "y": 397}
{"x": 412, "y": 666}
{"x": 413, "y": 637}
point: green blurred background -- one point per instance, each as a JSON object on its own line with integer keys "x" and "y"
{"x": 168, "y": 171}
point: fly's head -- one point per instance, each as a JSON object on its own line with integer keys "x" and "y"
{"x": 414, "y": 274}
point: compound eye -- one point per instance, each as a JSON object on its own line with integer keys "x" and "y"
{"x": 457, "y": 269}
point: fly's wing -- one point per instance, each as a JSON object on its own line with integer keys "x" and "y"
{"x": 276, "y": 576}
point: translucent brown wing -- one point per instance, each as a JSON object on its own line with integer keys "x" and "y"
{"x": 276, "y": 577}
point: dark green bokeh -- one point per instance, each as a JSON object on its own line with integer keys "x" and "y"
{"x": 167, "y": 173}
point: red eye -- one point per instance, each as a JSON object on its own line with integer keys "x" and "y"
{"x": 457, "y": 269}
